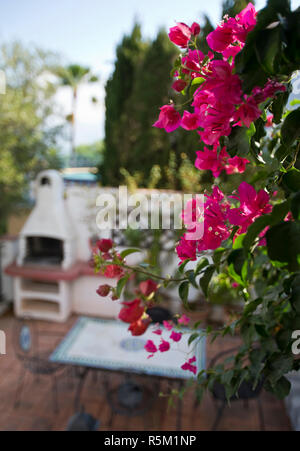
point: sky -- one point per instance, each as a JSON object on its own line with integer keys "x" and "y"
{"x": 88, "y": 31}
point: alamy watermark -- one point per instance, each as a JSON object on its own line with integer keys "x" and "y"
{"x": 296, "y": 344}
{"x": 2, "y": 342}
{"x": 155, "y": 210}
{"x": 2, "y": 82}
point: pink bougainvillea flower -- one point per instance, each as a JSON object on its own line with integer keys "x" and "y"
{"x": 202, "y": 99}
{"x": 104, "y": 245}
{"x": 216, "y": 122}
{"x": 179, "y": 85}
{"x": 190, "y": 121}
{"x": 268, "y": 91}
{"x": 132, "y": 311}
{"x": 215, "y": 228}
{"x": 184, "y": 320}
{"x": 269, "y": 122}
{"x": 113, "y": 272}
{"x": 169, "y": 119}
{"x": 219, "y": 39}
{"x": 289, "y": 217}
{"x": 191, "y": 63}
{"x": 231, "y": 51}
{"x": 193, "y": 214}
{"x": 252, "y": 205}
{"x": 186, "y": 249}
{"x": 211, "y": 160}
{"x": 195, "y": 29}
{"x": 148, "y": 287}
{"x": 213, "y": 237}
{"x": 188, "y": 366}
{"x": 157, "y": 332}
{"x": 180, "y": 34}
{"x": 223, "y": 83}
{"x": 104, "y": 290}
{"x": 139, "y": 327}
{"x": 164, "y": 346}
{"x": 176, "y": 336}
{"x": 150, "y": 347}
{"x": 168, "y": 325}
{"x": 236, "y": 164}
{"x": 247, "y": 113}
{"x": 233, "y": 30}
{"x": 245, "y": 21}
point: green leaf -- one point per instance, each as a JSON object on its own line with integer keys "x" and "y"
{"x": 283, "y": 243}
{"x": 261, "y": 330}
{"x": 206, "y": 278}
{"x": 252, "y": 306}
{"x": 183, "y": 265}
{"x": 239, "y": 141}
{"x": 295, "y": 206}
{"x": 238, "y": 242}
{"x": 279, "y": 104}
{"x": 291, "y": 180}
{"x": 295, "y": 296}
{"x": 282, "y": 388}
{"x": 196, "y": 83}
{"x": 184, "y": 292}
{"x": 290, "y": 129}
{"x": 267, "y": 48}
{"x": 202, "y": 263}
{"x": 192, "y": 277}
{"x": 279, "y": 212}
{"x": 217, "y": 256}
{"x": 192, "y": 338}
{"x": 127, "y": 252}
{"x": 237, "y": 266}
{"x": 121, "y": 284}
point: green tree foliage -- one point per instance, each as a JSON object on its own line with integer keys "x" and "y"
{"x": 27, "y": 143}
{"x": 90, "y": 154}
{"x": 73, "y": 76}
{"x": 118, "y": 91}
{"x": 140, "y": 84}
{"x": 138, "y": 87}
{"x": 233, "y": 7}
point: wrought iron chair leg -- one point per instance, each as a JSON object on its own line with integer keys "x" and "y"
{"x": 20, "y": 388}
{"x": 261, "y": 415}
{"x": 55, "y": 396}
{"x": 219, "y": 416}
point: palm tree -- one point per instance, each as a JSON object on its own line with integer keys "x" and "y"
{"x": 73, "y": 76}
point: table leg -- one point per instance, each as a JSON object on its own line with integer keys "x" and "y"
{"x": 82, "y": 376}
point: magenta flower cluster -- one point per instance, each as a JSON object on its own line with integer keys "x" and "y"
{"x": 219, "y": 219}
{"x": 218, "y": 102}
{"x": 165, "y": 345}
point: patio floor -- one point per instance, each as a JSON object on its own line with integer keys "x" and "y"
{"x": 36, "y": 413}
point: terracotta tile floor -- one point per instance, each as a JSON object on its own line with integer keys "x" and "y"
{"x": 36, "y": 411}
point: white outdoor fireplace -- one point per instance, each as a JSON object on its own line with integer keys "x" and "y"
{"x": 52, "y": 275}
{"x": 48, "y": 237}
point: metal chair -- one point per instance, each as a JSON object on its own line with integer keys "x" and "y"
{"x": 83, "y": 422}
{"x": 159, "y": 314}
{"x": 34, "y": 360}
{"x": 245, "y": 393}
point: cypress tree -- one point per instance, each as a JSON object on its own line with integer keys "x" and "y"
{"x": 118, "y": 90}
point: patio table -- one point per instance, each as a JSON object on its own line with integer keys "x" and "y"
{"x": 97, "y": 344}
